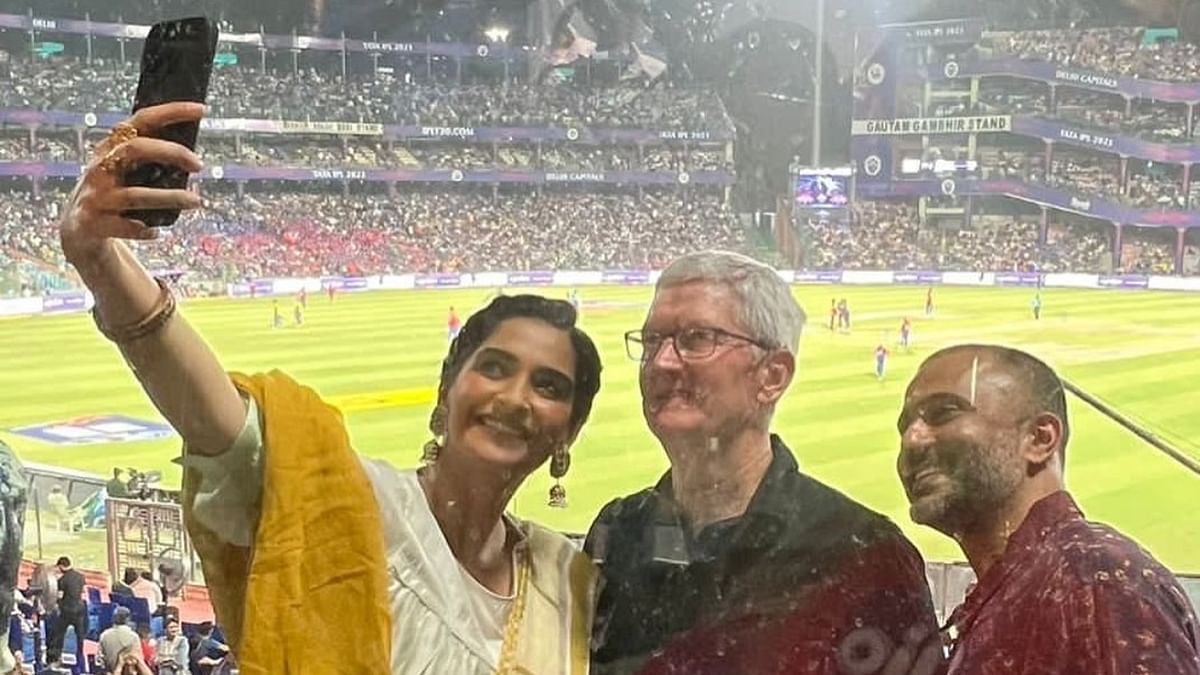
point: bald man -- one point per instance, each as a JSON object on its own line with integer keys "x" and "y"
{"x": 983, "y": 433}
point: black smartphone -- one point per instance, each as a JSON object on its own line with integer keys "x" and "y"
{"x": 177, "y": 62}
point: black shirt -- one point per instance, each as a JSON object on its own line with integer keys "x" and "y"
{"x": 779, "y": 589}
{"x": 71, "y": 584}
{"x": 117, "y": 488}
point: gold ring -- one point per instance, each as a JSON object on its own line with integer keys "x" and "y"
{"x": 121, "y": 134}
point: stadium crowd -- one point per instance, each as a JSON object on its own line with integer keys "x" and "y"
{"x": 312, "y": 234}
{"x": 883, "y": 236}
{"x": 308, "y": 234}
{"x": 1148, "y": 120}
{"x": 886, "y": 236}
{"x": 326, "y": 151}
{"x": 1147, "y": 187}
{"x": 69, "y": 84}
{"x": 1112, "y": 51}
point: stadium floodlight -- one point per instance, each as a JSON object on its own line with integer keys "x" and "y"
{"x": 497, "y": 33}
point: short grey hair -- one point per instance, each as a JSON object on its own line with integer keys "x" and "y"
{"x": 767, "y": 308}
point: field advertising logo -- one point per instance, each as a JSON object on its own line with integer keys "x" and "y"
{"x": 572, "y": 134}
{"x": 951, "y": 69}
{"x": 218, "y": 172}
{"x": 948, "y": 187}
{"x": 482, "y": 50}
{"x": 90, "y": 119}
{"x": 456, "y": 176}
{"x": 684, "y": 178}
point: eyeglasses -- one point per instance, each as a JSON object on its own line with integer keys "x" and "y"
{"x": 690, "y": 344}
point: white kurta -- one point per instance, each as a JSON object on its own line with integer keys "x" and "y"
{"x": 437, "y": 625}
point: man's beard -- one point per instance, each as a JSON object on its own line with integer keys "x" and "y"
{"x": 975, "y": 482}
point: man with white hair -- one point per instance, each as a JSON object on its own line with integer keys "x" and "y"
{"x": 735, "y": 562}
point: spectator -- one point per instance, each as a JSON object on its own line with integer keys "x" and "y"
{"x": 116, "y": 641}
{"x": 132, "y": 663}
{"x": 144, "y": 588}
{"x": 121, "y": 586}
{"x": 60, "y": 506}
{"x": 987, "y": 471}
{"x": 148, "y": 648}
{"x": 116, "y": 486}
{"x": 209, "y": 653}
{"x": 72, "y": 611}
{"x": 796, "y": 584}
{"x": 43, "y": 590}
{"x": 172, "y": 650}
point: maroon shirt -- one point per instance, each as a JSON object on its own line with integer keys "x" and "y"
{"x": 1071, "y": 597}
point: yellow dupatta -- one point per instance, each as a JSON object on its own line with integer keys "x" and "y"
{"x": 311, "y": 596}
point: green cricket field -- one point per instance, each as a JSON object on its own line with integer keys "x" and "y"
{"x": 377, "y": 355}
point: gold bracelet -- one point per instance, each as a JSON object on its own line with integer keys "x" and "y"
{"x": 164, "y": 309}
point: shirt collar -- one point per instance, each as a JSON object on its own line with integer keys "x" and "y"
{"x": 1043, "y": 516}
{"x": 767, "y": 500}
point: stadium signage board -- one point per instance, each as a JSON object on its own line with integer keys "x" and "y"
{"x": 26, "y": 117}
{"x": 917, "y": 278}
{"x": 1123, "y": 281}
{"x": 1018, "y": 279}
{"x": 685, "y": 135}
{"x": 625, "y": 277}
{"x": 1037, "y": 194}
{"x": 932, "y": 125}
{"x": 437, "y": 280}
{"x": 934, "y": 32}
{"x": 1085, "y": 77}
{"x": 1088, "y": 138}
{"x": 922, "y": 33}
{"x": 64, "y": 302}
{"x": 576, "y": 177}
{"x": 452, "y": 132}
{"x": 530, "y": 278}
{"x": 1132, "y": 87}
{"x": 389, "y": 46}
{"x": 340, "y": 128}
{"x": 338, "y": 174}
{"x": 236, "y": 172}
{"x": 817, "y": 277}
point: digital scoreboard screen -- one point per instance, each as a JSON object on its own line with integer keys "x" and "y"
{"x": 821, "y": 189}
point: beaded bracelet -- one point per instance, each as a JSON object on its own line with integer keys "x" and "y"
{"x": 164, "y": 309}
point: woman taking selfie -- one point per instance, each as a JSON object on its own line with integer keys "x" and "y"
{"x": 320, "y": 561}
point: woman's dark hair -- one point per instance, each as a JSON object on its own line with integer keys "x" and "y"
{"x": 558, "y": 313}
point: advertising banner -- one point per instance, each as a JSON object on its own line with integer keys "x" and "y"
{"x": 1018, "y": 279}
{"x": 625, "y": 277}
{"x": 917, "y": 277}
{"x": 438, "y": 280}
{"x": 543, "y": 278}
{"x": 817, "y": 277}
{"x": 58, "y": 303}
{"x": 1123, "y": 281}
